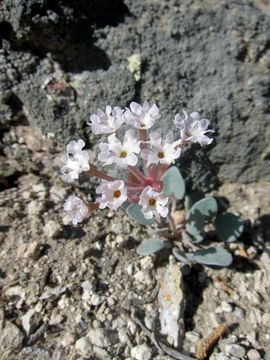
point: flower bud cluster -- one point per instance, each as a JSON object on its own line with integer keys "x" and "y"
{"x": 144, "y": 154}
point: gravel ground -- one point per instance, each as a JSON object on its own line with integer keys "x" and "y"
{"x": 83, "y": 292}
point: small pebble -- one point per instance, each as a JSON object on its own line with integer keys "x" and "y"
{"x": 146, "y": 263}
{"x": 30, "y": 321}
{"x": 239, "y": 313}
{"x": 83, "y": 346}
{"x": 52, "y": 228}
{"x": 253, "y": 355}
{"x": 120, "y": 239}
{"x": 102, "y": 337}
{"x": 131, "y": 327}
{"x": 149, "y": 322}
{"x": 95, "y": 299}
{"x": 109, "y": 317}
{"x": 129, "y": 269}
{"x": 254, "y": 298}
{"x": 123, "y": 337}
{"x": 220, "y": 356}
{"x": 141, "y": 352}
{"x": 35, "y": 207}
{"x": 226, "y": 307}
{"x": 11, "y": 338}
{"x": 255, "y": 317}
{"x": 266, "y": 319}
{"x": 235, "y": 350}
{"x": 192, "y": 336}
{"x": 232, "y": 339}
{"x": 111, "y": 301}
{"x": 68, "y": 340}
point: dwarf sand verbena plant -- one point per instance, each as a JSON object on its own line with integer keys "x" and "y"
{"x": 151, "y": 188}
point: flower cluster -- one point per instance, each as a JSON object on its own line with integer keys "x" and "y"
{"x": 143, "y": 153}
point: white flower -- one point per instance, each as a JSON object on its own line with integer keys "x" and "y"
{"x": 163, "y": 152}
{"x": 75, "y": 160}
{"x": 76, "y": 209}
{"x": 106, "y": 122}
{"x": 74, "y": 147}
{"x": 192, "y": 128}
{"x": 141, "y": 117}
{"x": 113, "y": 194}
{"x": 153, "y": 203}
{"x": 114, "y": 152}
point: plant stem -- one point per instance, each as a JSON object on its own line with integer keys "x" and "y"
{"x": 142, "y": 134}
{"x": 92, "y": 206}
{"x": 172, "y": 223}
{"x": 134, "y": 188}
{"x": 136, "y": 172}
{"x": 100, "y": 174}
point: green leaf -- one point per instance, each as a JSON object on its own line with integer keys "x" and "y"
{"x": 201, "y": 211}
{"x": 173, "y": 183}
{"x": 125, "y": 205}
{"x": 196, "y": 230}
{"x": 135, "y": 213}
{"x": 212, "y": 256}
{"x": 229, "y": 227}
{"x": 161, "y": 230}
{"x": 207, "y": 207}
{"x": 149, "y": 247}
{"x": 180, "y": 255}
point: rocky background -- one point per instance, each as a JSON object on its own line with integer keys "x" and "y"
{"x": 62, "y": 289}
{"x": 61, "y": 60}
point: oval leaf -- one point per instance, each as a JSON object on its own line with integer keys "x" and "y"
{"x": 212, "y": 256}
{"x": 207, "y": 207}
{"x": 202, "y": 210}
{"x": 149, "y": 247}
{"x": 173, "y": 183}
{"x": 229, "y": 227}
{"x": 196, "y": 229}
{"x": 125, "y": 205}
{"x": 135, "y": 213}
{"x": 180, "y": 255}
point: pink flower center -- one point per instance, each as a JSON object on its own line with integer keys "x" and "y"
{"x": 148, "y": 182}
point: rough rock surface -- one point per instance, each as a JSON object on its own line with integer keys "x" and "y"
{"x": 60, "y": 62}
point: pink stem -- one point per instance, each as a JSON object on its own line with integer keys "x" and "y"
{"x": 136, "y": 172}
{"x": 100, "y": 174}
{"x": 135, "y": 188}
{"x": 172, "y": 224}
{"x": 142, "y": 134}
{"x": 92, "y": 206}
{"x": 143, "y": 138}
{"x": 180, "y": 144}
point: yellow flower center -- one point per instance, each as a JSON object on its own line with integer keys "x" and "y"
{"x": 117, "y": 194}
{"x": 123, "y": 154}
{"x": 152, "y": 202}
{"x": 160, "y": 154}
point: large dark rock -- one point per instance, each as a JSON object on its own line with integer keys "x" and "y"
{"x": 68, "y": 59}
